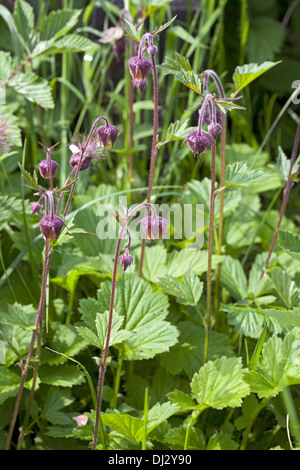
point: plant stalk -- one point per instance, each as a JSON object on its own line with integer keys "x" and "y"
{"x": 153, "y": 152}
{"x": 210, "y": 249}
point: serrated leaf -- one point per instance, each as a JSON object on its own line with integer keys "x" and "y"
{"x": 88, "y": 335}
{"x": 61, "y": 375}
{"x": 285, "y": 287}
{"x": 34, "y": 88}
{"x": 183, "y": 400}
{"x": 233, "y": 278}
{"x": 161, "y": 28}
{"x": 245, "y": 74}
{"x": 278, "y": 365}
{"x": 23, "y": 16}
{"x": 117, "y": 335}
{"x": 70, "y": 43}
{"x": 133, "y": 428}
{"x": 10, "y": 208}
{"x": 30, "y": 180}
{"x": 144, "y": 311}
{"x": 132, "y": 32}
{"x": 20, "y": 315}
{"x": 177, "y": 130}
{"x": 56, "y": 400}
{"x": 58, "y": 23}
{"x": 187, "y": 292}
{"x": 5, "y": 65}
{"x": 238, "y": 175}
{"x": 181, "y": 69}
{"x": 290, "y": 243}
{"x": 220, "y": 384}
{"x": 187, "y": 355}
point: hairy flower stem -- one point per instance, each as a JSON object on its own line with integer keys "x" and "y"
{"x": 212, "y": 74}
{"x": 286, "y": 192}
{"x": 210, "y": 249}
{"x": 104, "y": 354}
{"x": 36, "y": 331}
{"x": 83, "y": 149}
{"x": 153, "y": 151}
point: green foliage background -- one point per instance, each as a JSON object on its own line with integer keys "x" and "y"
{"x": 69, "y": 78}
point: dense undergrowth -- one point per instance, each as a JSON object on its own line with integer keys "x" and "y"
{"x": 202, "y": 321}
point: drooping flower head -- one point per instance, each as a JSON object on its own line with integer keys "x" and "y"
{"x": 198, "y": 142}
{"x": 154, "y": 227}
{"x": 107, "y": 135}
{"x": 47, "y": 167}
{"x": 139, "y": 68}
{"x": 126, "y": 260}
{"x": 51, "y": 227}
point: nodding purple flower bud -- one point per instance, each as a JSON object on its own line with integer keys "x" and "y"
{"x": 51, "y": 227}
{"x": 46, "y": 169}
{"x": 154, "y": 227}
{"x": 139, "y": 68}
{"x": 198, "y": 143}
{"x": 214, "y": 129}
{"x": 35, "y": 207}
{"x": 107, "y": 135}
{"x": 126, "y": 260}
{"x": 152, "y": 50}
{"x": 207, "y": 116}
{"x": 85, "y": 162}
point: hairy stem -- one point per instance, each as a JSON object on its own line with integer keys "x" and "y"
{"x": 286, "y": 192}
{"x": 36, "y": 331}
{"x": 104, "y": 355}
{"x": 210, "y": 249}
{"x": 153, "y": 152}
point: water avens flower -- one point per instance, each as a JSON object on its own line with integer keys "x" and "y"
{"x": 214, "y": 128}
{"x": 51, "y": 227}
{"x": 198, "y": 142}
{"x": 35, "y": 207}
{"x": 47, "y": 168}
{"x": 139, "y": 68}
{"x": 154, "y": 227}
{"x": 126, "y": 260}
{"x": 107, "y": 135}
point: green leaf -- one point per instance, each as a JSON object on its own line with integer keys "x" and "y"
{"x": 20, "y": 315}
{"x": 5, "y": 65}
{"x": 187, "y": 292}
{"x": 69, "y": 43}
{"x": 238, "y": 175}
{"x": 30, "y": 181}
{"x": 61, "y": 375}
{"x": 144, "y": 312}
{"x": 265, "y": 38}
{"x": 88, "y": 335}
{"x": 133, "y": 428}
{"x": 183, "y": 400}
{"x": 290, "y": 243}
{"x": 24, "y": 23}
{"x": 278, "y": 366}
{"x": 177, "y": 130}
{"x": 285, "y": 287}
{"x": 117, "y": 335}
{"x": 249, "y": 407}
{"x": 187, "y": 355}
{"x": 181, "y": 69}
{"x": 220, "y": 384}
{"x": 159, "y": 29}
{"x": 245, "y": 74}
{"x": 55, "y": 401}
{"x": 10, "y": 208}
{"x": 233, "y": 278}
{"x": 34, "y": 88}
{"x": 58, "y": 23}
{"x": 131, "y": 31}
